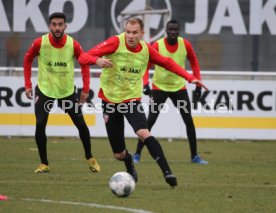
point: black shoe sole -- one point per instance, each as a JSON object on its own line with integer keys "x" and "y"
{"x": 171, "y": 180}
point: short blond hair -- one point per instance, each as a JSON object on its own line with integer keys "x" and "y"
{"x": 135, "y": 20}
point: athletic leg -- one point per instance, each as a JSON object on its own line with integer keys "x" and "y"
{"x": 158, "y": 99}
{"x": 181, "y": 100}
{"x": 42, "y": 108}
{"x": 114, "y": 123}
{"x": 137, "y": 120}
{"x": 70, "y": 105}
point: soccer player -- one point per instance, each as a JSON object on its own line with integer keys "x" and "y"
{"x": 121, "y": 90}
{"x": 56, "y": 52}
{"x": 168, "y": 85}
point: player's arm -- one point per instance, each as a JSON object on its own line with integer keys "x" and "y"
{"x": 194, "y": 65}
{"x": 192, "y": 59}
{"x": 32, "y": 52}
{"x": 170, "y": 65}
{"x": 85, "y": 72}
{"x": 147, "y": 89}
{"x": 146, "y": 76}
{"x": 94, "y": 55}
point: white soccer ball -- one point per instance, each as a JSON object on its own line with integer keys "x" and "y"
{"x": 121, "y": 184}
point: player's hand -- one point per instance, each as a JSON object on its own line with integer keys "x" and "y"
{"x": 29, "y": 93}
{"x": 197, "y": 92}
{"x": 199, "y": 83}
{"x": 104, "y": 62}
{"x": 147, "y": 90}
{"x": 83, "y": 97}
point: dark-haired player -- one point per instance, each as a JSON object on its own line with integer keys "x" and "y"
{"x": 169, "y": 85}
{"x": 56, "y": 52}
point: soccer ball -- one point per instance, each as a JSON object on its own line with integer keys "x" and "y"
{"x": 121, "y": 184}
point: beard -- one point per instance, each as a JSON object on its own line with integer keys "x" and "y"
{"x": 57, "y": 36}
{"x": 172, "y": 40}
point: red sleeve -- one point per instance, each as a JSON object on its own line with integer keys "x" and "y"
{"x": 155, "y": 46}
{"x": 77, "y": 49}
{"x": 106, "y": 47}
{"x": 32, "y": 52}
{"x": 85, "y": 71}
{"x": 168, "y": 64}
{"x": 193, "y": 59}
{"x": 146, "y": 75}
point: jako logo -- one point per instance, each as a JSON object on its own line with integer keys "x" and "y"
{"x": 156, "y": 21}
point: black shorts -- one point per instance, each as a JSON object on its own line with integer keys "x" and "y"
{"x": 114, "y": 120}
{"x": 68, "y": 104}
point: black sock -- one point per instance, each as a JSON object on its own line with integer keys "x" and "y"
{"x": 41, "y": 142}
{"x": 193, "y": 148}
{"x": 191, "y": 132}
{"x": 130, "y": 166}
{"x": 140, "y": 146}
{"x": 85, "y": 139}
{"x": 128, "y": 161}
{"x": 157, "y": 154}
{"x": 192, "y": 140}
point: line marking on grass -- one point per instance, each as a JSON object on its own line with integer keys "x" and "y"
{"x": 241, "y": 185}
{"x": 87, "y": 204}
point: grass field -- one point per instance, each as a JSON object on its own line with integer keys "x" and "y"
{"x": 240, "y": 177}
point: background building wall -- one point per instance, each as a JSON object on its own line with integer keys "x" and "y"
{"x": 225, "y": 50}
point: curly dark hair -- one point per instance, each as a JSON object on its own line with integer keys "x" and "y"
{"x": 57, "y": 15}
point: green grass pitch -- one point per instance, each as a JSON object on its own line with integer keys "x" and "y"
{"x": 240, "y": 177}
